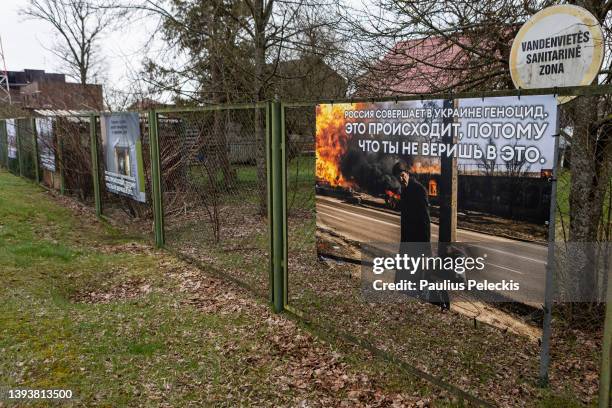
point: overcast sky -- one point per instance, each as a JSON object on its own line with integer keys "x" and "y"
{"x": 25, "y": 41}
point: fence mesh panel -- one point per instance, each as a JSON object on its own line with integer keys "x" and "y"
{"x": 304, "y": 268}
{"x": 3, "y": 145}
{"x": 25, "y": 135}
{"x": 73, "y": 156}
{"x": 213, "y": 166}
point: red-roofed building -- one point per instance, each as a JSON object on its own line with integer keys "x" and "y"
{"x": 429, "y": 65}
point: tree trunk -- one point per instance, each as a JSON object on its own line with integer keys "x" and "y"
{"x": 587, "y": 192}
{"x": 218, "y": 142}
{"x": 259, "y": 119}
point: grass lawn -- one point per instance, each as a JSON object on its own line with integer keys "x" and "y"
{"x": 86, "y": 308}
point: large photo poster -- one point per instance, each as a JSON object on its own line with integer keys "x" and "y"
{"x": 11, "y": 138}
{"x": 44, "y": 129}
{"x": 397, "y": 178}
{"x": 124, "y": 170}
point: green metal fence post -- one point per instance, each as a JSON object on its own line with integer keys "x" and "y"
{"x": 284, "y": 213}
{"x": 19, "y": 146}
{"x": 60, "y": 161}
{"x": 158, "y": 211}
{"x": 269, "y": 191}
{"x": 35, "y": 144}
{"x": 95, "y": 169}
{"x": 278, "y": 232}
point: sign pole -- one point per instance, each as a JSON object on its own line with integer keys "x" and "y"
{"x": 550, "y": 263}
{"x": 448, "y": 189}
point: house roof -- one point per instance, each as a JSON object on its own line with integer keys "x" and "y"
{"x": 63, "y": 113}
{"x": 417, "y": 66}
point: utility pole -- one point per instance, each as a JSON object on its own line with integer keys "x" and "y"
{"x": 5, "y": 89}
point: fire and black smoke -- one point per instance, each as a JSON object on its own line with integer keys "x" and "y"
{"x": 372, "y": 172}
{"x": 340, "y": 162}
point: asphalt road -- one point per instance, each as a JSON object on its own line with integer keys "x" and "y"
{"x": 508, "y": 259}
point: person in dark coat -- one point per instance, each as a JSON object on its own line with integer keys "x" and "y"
{"x": 414, "y": 207}
{"x": 415, "y": 227}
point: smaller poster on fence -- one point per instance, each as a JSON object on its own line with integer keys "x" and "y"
{"x": 44, "y": 129}
{"x": 122, "y": 147}
{"x": 11, "y": 138}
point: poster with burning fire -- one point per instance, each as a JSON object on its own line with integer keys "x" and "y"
{"x": 357, "y": 147}
{"x": 342, "y": 131}
{"x": 386, "y": 171}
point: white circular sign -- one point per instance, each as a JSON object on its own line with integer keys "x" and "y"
{"x": 559, "y": 46}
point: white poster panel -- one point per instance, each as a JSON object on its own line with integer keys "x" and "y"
{"x": 11, "y": 138}
{"x": 44, "y": 129}
{"x": 124, "y": 170}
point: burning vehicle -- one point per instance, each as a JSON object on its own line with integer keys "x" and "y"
{"x": 392, "y": 200}
{"x": 346, "y": 194}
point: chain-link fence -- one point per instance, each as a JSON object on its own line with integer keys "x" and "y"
{"x": 305, "y": 271}
{"x": 73, "y": 156}
{"x": 213, "y": 176}
{"x": 325, "y": 284}
{"x": 26, "y": 142}
{"x": 18, "y": 147}
{"x": 213, "y": 179}
{"x": 215, "y": 183}
{"x": 56, "y": 150}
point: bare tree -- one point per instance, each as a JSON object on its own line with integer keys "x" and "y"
{"x": 231, "y": 51}
{"x": 79, "y": 25}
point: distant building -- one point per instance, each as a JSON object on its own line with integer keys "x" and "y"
{"x": 37, "y": 89}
